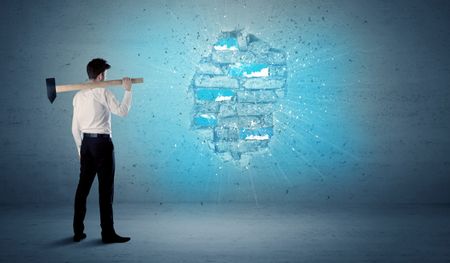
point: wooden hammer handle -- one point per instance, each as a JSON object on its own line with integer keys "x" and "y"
{"x": 96, "y": 84}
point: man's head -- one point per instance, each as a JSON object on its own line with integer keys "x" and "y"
{"x": 96, "y": 69}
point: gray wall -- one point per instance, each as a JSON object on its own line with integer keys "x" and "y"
{"x": 365, "y": 119}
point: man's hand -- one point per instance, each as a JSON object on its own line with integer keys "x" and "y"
{"x": 126, "y": 82}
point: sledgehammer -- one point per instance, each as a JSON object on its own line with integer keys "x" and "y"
{"x": 52, "y": 89}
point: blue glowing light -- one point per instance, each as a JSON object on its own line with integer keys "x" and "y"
{"x": 235, "y": 89}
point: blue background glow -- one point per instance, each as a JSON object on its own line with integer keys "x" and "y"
{"x": 365, "y": 118}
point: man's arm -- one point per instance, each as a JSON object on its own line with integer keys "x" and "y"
{"x": 76, "y": 132}
{"x": 114, "y": 106}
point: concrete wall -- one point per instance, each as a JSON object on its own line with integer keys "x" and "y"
{"x": 365, "y": 117}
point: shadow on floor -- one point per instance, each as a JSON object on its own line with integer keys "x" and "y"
{"x": 67, "y": 241}
{"x": 61, "y": 242}
{"x": 92, "y": 243}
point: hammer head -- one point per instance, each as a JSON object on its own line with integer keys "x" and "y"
{"x": 51, "y": 89}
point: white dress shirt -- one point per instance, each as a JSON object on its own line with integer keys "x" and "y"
{"x": 92, "y": 111}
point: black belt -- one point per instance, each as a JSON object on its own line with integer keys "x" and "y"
{"x": 96, "y": 135}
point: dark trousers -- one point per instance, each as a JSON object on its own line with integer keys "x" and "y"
{"x": 96, "y": 157}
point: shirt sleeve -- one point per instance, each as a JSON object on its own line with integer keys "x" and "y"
{"x": 76, "y": 132}
{"x": 120, "y": 109}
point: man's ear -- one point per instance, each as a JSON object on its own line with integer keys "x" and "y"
{"x": 99, "y": 77}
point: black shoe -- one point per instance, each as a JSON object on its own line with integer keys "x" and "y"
{"x": 114, "y": 238}
{"x": 79, "y": 237}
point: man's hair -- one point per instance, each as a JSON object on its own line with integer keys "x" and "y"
{"x": 96, "y": 66}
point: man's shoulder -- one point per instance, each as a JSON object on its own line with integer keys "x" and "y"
{"x": 79, "y": 94}
{"x": 75, "y": 97}
{"x": 98, "y": 91}
{"x": 97, "y": 94}
{"x": 87, "y": 92}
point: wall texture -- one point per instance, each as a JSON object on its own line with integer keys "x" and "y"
{"x": 365, "y": 117}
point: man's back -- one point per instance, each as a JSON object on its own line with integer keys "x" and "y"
{"x": 92, "y": 110}
{"x": 92, "y": 114}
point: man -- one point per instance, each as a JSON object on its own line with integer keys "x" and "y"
{"x": 91, "y": 129}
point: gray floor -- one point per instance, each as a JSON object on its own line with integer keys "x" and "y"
{"x": 232, "y": 233}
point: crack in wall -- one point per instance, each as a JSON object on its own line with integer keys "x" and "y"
{"x": 235, "y": 88}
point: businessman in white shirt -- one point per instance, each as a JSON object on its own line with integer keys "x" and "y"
{"x": 91, "y": 129}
